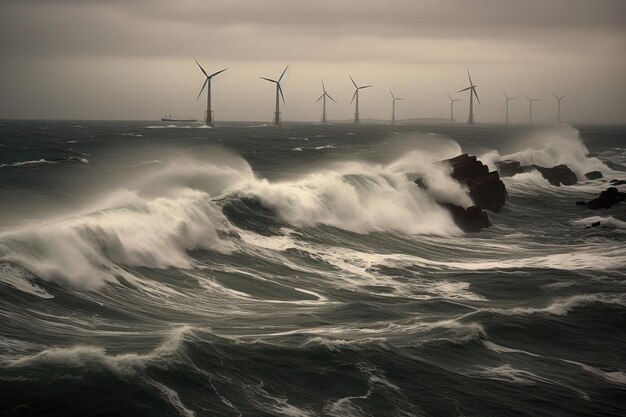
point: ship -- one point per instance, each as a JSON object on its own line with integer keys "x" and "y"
{"x": 169, "y": 118}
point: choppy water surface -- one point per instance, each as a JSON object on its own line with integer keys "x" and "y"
{"x": 160, "y": 270}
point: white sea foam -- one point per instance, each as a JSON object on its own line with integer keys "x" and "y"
{"x": 124, "y": 364}
{"x": 549, "y": 147}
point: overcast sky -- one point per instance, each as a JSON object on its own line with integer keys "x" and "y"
{"x": 134, "y": 59}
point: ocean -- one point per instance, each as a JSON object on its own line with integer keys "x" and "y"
{"x": 149, "y": 269}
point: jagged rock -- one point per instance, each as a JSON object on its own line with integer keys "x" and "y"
{"x": 560, "y": 174}
{"x": 617, "y": 182}
{"x": 485, "y": 188}
{"x": 605, "y": 200}
{"x": 594, "y": 224}
{"x": 471, "y": 219}
{"x": 593, "y": 175}
{"x": 510, "y": 168}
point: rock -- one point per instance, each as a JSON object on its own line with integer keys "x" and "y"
{"x": 594, "y": 224}
{"x": 560, "y": 174}
{"x": 605, "y": 200}
{"x": 510, "y": 168}
{"x": 593, "y": 175}
{"x": 485, "y": 188}
{"x": 471, "y": 219}
{"x": 618, "y": 182}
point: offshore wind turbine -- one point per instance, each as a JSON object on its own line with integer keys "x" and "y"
{"x": 279, "y": 91}
{"x": 472, "y": 90}
{"x": 506, "y": 104}
{"x": 356, "y": 95}
{"x": 323, "y": 98}
{"x": 393, "y": 107}
{"x": 208, "y": 118}
{"x": 558, "y": 100}
{"x": 530, "y": 107}
{"x": 452, "y": 101}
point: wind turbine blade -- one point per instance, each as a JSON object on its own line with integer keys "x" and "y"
{"x": 565, "y": 95}
{"x": 505, "y": 96}
{"x": 470, "y": 77}
{"x": 354, "y": 95}
{"x": 283, "y": 74}
{"x": 366, "y": 86}
{"x": 398, "y": 98}
{"x": 319, "y": 98}
{"x": 280, "y": 90}
{"x": 555, "y": 96}
{"x": 449, "y": 96}
{"x": 476, "y": 95}
{"x": 270, "y": 80}
{"x": 465, "y": 89}
{"x": 355, "y": 86}
{"x": 328, "y": 95}
{"x": 527, "y": 98}
{"x": 201, "y": 69}
{"x": 391, "y": 92}
{"x": 218, "y": 72}
{"x": 206, "y": 81}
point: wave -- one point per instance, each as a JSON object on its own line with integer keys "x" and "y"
{"x": 45, "y": 161}
{"x": 549, "y": 147}
{"x": 562, "y": 306}
{"x": 86, "y": 250}
{"x": 362, "y": 198}
{"x": 606, "y": 222}
{"x": 124, "y": 364}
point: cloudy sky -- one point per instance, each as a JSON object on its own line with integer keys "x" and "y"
{"x": 134, "y": 59}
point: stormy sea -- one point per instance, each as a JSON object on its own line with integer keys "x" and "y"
{"x": 155, "y": 269}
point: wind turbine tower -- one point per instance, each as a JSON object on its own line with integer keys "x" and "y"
{"x": 472, "y": 90}
{"x": 393, "y": 107}
{"x": 208, "y": 118}
{"x": 506, "y": 104}
{"x": 279, "y": 92}
{"x": 323, "y": 98}
{"x": 530, "y": 107}
{"x": 452, "y": 101}
{"x": 558, "y": 106}
{"x": 356, "y": 95}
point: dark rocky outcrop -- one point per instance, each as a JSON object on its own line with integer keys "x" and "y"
{"x": 471, "y": 219}
{"x": 509, "y": 168}
{"x": 485, "y": 188}
{"x": 558, "y": 175}
{"x": 593, "y": 175}
{"x": 618, "y": 182}
{"x": 605, "y": 200}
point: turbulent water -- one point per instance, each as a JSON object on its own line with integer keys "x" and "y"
{"x": 149, "y": 269}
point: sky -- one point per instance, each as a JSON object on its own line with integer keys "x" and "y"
{"x": 134, "y": 59}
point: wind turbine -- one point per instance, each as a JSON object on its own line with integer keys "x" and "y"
{"x": 208, "y": 119}
{"x": 558, "y": 99}
{"x": 279, "y": 90}
{"x": 472, "y": 88}
{"x": 506, "y": 104}
{"x": 323, "y": 98}
{"x": 393, "y": 107}
{"x": 356, "y": 95}
{"x": 452, "y": 101}
{"x": 530, "y": 108}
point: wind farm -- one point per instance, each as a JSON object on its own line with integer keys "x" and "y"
{"x": 277, "y": 118}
